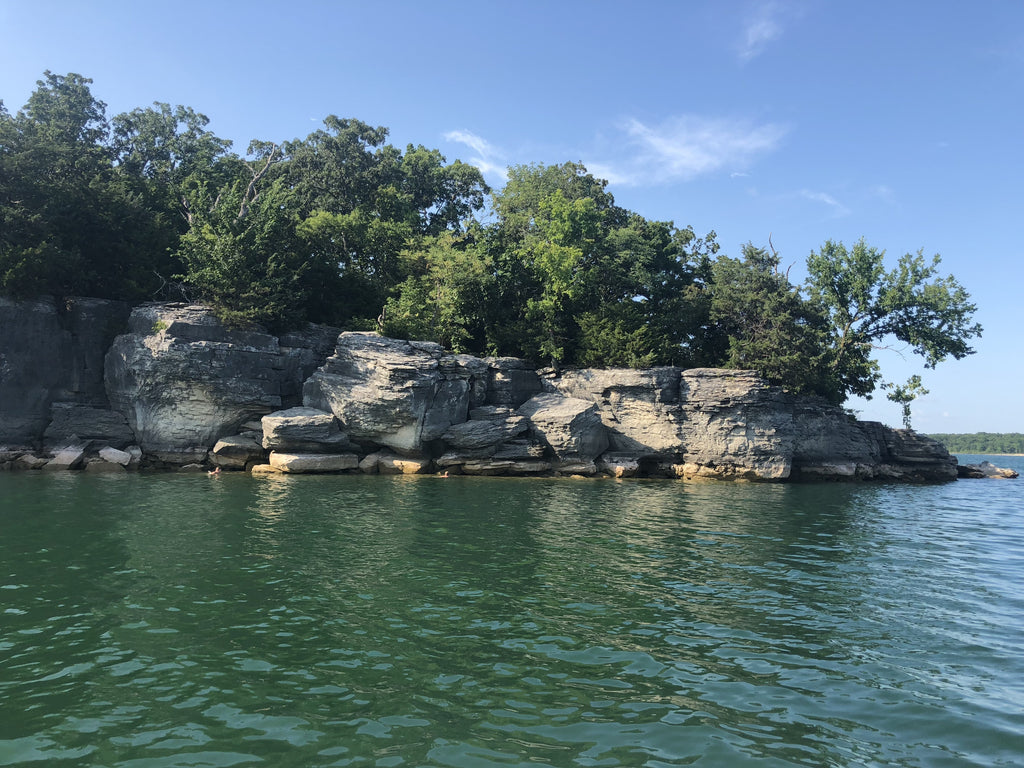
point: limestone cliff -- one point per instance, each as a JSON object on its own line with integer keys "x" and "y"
{"x": 180, "y": 386}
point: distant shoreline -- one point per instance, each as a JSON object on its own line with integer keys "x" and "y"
{"x": 975, "y": 453}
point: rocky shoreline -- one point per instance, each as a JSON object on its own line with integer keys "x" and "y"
{"x": 98, "y": 386}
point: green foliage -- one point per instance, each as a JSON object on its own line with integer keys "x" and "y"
{"x": 361, "y": 202}
{"x": 243, "y": 255}
{"x": 567, "y": 258}
{"x": 867, "y": 305}
{"x": 445, "y": 295}
{"x": 69, "y": 224}
{"x": 905, "y": 394}
{"x": 982, "y": 442}
{"x": 764, "y": 324}
{"x": 343, "y": 227}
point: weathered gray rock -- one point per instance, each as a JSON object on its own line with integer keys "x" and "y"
{"x": 496, "y": 467}
{"x": 183, "y": 380}
{"x": 114, "y": 456}
{"x": 313, "y": 463}
{"x": 30, "y": 461}
{"x": 237, "y": 452}
{"x": 487, "y": 427}
{"x": 88, "y": 425}
{"x": 136, "y": 456}
{"x": 179, "y": 382}
{"x": 392, "y": 393}
{"x": 571, "y": 428}
{"x": 370, "y": 464}
{"x": 829, "y": 443}
{"x": 734, "y": 426}
{"x": 301, "y": 429}
{"x": 575, "y": 468}
{"x": 51, "y": 352}
{"x": 70, "y": 457}
{"x": 511, "y": 381}
{"x": 640, "y": 408}
{"x": 986, "y": 469}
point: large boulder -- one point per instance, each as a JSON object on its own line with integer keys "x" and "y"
{"x": 571, "y": 428}
{"x": 487, "y": 428}
{"x": 69, "y": 457}
{"x": 301, "y": 429}
{"x": 399, "y": 394}
{"x": 182, "y": 379}
{"x": 236, "y": 452}
{"x": 313, "y": 463}
{"x": 640, "y": 408}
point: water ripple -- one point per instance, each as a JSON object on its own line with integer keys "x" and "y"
{"x": 167, "y": 621}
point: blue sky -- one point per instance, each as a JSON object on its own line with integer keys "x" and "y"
{"x": 900, "y": 122}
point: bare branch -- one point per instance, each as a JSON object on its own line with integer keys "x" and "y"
{"x": 251, "y": 195}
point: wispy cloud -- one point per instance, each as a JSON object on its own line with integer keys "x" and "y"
{"x": 883, "y": 193}
{"x": 762, "y": 27}
{"x": 689, "y": 146}
{"x": 488, "y": 158}
{"x": 837, "y": 207}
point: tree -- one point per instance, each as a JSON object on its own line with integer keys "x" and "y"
{"x": 445, "y": 297}
{"x": 761, "y": 322}
{"x": 166, "y": 156}
{"x": 905, "y": 394}
{"x": 242, "y": 254}
{"x": 362, "y": 202}
{"x": 582, "y": 281}
{"x": 70, "y": 225}
{"x": 866, "y": 305}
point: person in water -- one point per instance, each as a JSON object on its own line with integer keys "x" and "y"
{"x": 215, "y": 471}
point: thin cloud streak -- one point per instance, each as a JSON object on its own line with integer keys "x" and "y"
{"x": 823, "y": 197}
{"x": 488, "y": 158}
{"x": 764, "y": 27}
{"x": 689, "y": 146}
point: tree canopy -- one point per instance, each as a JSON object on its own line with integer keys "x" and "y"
{"x": 343, "y": 227}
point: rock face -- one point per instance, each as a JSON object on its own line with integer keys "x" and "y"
{"x": 52, "y": 352}
{"x": 182, "y": 379}
{"x": 72, "y": 423}
{"x": 399, "y": 394}
{"x": 189, "y": 390}
{"x": 568, "y": 427}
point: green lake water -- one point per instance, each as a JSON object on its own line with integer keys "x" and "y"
{"x": 152, "y": 621}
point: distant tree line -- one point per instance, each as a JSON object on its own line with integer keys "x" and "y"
{"x": 982, "y": 442}
{"x": 343, "y": 228}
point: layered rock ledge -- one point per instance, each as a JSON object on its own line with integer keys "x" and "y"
{"x": 178, "y": 388}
